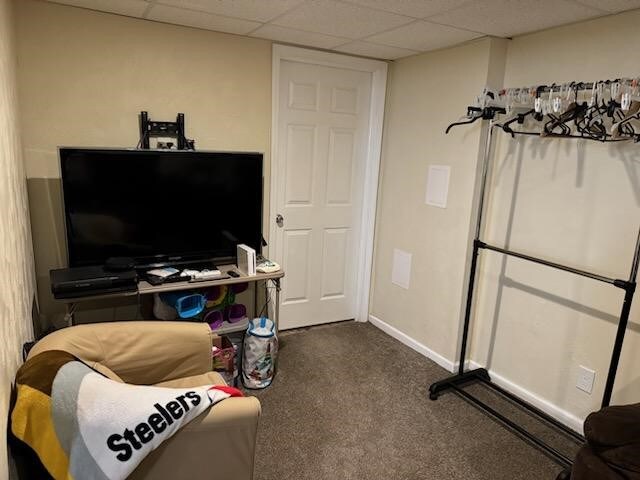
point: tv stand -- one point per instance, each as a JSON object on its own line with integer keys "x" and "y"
{"x": 145, "y": 288}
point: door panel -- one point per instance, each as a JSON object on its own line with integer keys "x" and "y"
{"x": 339, "y": 172}
{"x": 334, "y": 260}
{"x": 297, "y": 247}
{"x": 301, "y": 141}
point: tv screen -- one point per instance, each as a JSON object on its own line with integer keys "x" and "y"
{"x": 160, "y": 206}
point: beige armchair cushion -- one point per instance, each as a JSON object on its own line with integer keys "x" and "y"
{"x": 143, "y": 353}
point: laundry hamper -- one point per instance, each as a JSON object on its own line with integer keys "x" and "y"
{"x": 259, "y": 353}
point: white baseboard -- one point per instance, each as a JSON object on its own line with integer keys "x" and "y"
{"x": 411, "y": 343}
{"x": 569, "y": 419}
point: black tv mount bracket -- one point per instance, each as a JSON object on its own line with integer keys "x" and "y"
{"x": 149, "y": 128}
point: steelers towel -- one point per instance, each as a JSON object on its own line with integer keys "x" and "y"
{"x": 85, "y": 426}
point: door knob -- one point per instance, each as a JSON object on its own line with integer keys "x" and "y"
{"x": 279, "y": 220}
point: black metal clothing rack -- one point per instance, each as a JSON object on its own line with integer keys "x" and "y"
{"x": 462, "y": 378}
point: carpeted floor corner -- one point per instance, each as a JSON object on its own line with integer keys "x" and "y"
{"x": 350, "y": 402}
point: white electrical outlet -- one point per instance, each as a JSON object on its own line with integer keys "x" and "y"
{"x": 585, "y": 379}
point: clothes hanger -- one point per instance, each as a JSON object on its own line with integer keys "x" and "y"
{"x": 592, "y": 124}
{"x": 633, "y": 113}
{"x": 538, "y": 103}
{"x": 520, "y": 117}
{"x": 575, "y": 112}
{"x": 556, "y": 122}
{"x": 596, "y": 125}
{"x": 553, "y": 123}
{"x": 472, "y": 116}
{"x": 484, "y": 111}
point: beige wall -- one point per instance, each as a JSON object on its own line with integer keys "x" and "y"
{"x": 573, "y": 202}
{"x": 426, "y": 93}
{"x": 17, "y": 283}
{"x": 84, "y": 76}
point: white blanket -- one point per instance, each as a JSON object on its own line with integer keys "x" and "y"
{"x": 94, "y": 428}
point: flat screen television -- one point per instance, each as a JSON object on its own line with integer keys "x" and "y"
{"x": 160, "y": 206}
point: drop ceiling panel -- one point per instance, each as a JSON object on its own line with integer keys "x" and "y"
{"x": 375, "y": 51}
{"x": 257, "y": 10}
{"x": 298, "y": 37}
{"x": 131, "y": 8}
{"x": 612, "y": 6}
{"x": 339, "y": 19}
{"x": 411, "y": 8}
{"x": 191, "y": 18}
{"x": 423, "y": 36}
{"x": 505, "y": 18}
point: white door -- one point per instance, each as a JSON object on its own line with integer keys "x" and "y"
{"x": 320, "y": 159}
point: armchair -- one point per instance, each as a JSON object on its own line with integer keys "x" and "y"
{"x": 220, "y": 443}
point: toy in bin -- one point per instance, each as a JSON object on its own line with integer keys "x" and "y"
{"x": 221, "y": 305}
{"x": 214, "y": 318}
{"x": 216, "y": 295}
{"x": 223, "y": 355}
{"x": 236, "y": 312}
{"x": 182, "y": 304}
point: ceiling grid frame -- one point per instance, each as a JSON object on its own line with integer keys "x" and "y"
{"x": 386, "y": 29}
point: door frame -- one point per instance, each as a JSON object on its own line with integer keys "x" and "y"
{"x": 378, "y": 70}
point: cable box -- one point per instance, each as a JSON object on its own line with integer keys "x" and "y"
{"x": 88, "y": 281}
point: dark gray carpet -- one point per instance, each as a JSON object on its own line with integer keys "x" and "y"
{"x": 350, "y": 402}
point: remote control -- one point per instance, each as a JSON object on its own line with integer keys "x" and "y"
{"x": 206, "y": 275}
{"x": 155, "y": 280}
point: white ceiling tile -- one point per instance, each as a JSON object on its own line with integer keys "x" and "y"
{"x": 505, "y": 18}
{"x": 376, "y": 51}
{"x": 298, "y": 37}
{"x": 423, "y": 36}
{"x": 131, "y": 8}
{"x": 258, "y": 10}
{"x": 191, "y": 18}
{"x": 339, "y": 19}
{"x": 411, "y": 8}
{"x": 612, "y": 6}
